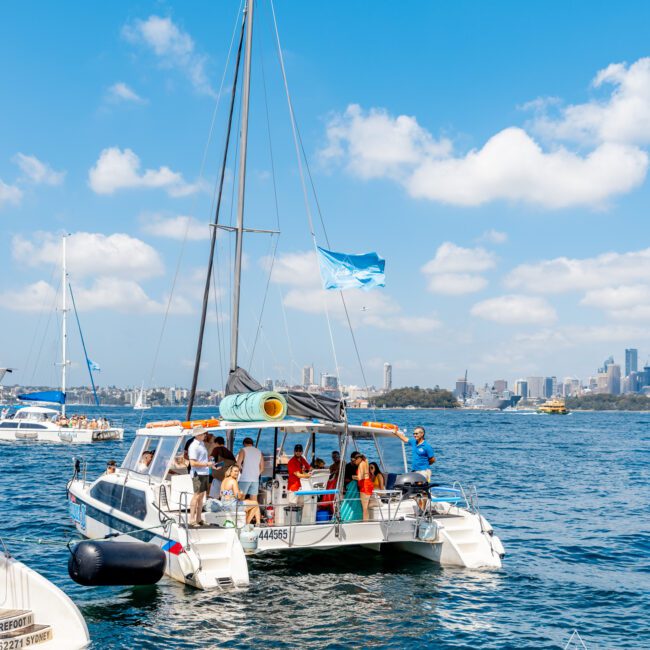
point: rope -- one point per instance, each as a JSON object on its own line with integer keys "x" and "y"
{"x": 187, "y": 226}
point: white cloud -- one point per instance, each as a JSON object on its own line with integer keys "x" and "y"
{"x": 623, "y": 116}
{"x": 32, "y": 298}
{"x": 9, "y": 194}
{"x": 454, "y": 269}
{"x": 38, "y": 172}
{"x": 91, "y": 254}
{"x": 620, "y": 297}
{"x": 455, "y": 284}
{"x": 179, "y": 227}
{"x": 494, "y": 237}
{"x": 564, "y": 274}
{"x": 366, "y": 308}
{"x": 174, "y": 48}
{"x": 450, "y": 258}
{"x": 120, "y": 92}
{"x": 118, "y": 169}
{"x": 515, "y": 310}
{"x": 511, "y": 165}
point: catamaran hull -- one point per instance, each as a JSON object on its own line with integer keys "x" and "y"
{"x": 213, "y": 557}
{"x": 60, "y": 435}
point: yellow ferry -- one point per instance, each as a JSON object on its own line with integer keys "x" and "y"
{"x": 553, "y": 406}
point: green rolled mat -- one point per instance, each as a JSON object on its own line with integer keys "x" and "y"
{"x": 259, "y": 406}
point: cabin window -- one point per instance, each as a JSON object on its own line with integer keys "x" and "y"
{"x": 108, "y": 493}
{"x": 32, "y": 425}
{"x": 8, "y": 425}
{"x": 134, "y": 503}
{"x": 133, "y": 457}
{"x": 126, "y": 499}
{"x": 164, "y": 453}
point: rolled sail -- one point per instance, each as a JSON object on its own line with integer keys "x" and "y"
{"x": 263, "y": 405}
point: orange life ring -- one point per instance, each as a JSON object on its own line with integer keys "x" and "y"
{"x": 164, "y": 423}
{"x": 208, "y": 424}
{"x": 381, "y": 425}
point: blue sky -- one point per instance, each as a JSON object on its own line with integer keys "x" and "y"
{"x": 496, "y": 156}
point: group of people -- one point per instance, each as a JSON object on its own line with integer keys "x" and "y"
{"x": 81, "y": 422}
{"x": 216, "y": 471}
{"x": 235, "y": 480}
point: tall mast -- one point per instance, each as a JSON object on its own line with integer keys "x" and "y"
{"x": 64, "y": 328}
{"x": 243, "y": 143}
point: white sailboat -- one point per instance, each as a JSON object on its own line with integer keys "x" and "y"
{"x": 141, "y": 401}
{"x": 149, "y": 501}
{"x": 47, "y": 424}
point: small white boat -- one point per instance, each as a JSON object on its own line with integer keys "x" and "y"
{"x": 41, "y": 424}
{"x": 141, "y": 401}
{"x": 46, "y": 424}
{"x": 35, "y": 612}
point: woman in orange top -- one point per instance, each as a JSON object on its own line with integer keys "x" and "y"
{"x": 365, "y": 483}
{"x": 376, "y": 476}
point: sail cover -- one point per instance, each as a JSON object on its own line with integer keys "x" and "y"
{"x": 299, "y": 403}
{"x": 50, "y": 396}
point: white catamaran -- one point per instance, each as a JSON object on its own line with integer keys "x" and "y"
{"x": 148, "y": 497}
{"x": 45, "y": 424}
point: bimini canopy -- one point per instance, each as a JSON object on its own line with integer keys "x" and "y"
{"x": 299, "y": 403}
{"x": 47, "y": 396}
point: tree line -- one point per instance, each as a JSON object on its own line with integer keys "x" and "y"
{"x": 607, "y": 402}
{"x": 419, "y": 397}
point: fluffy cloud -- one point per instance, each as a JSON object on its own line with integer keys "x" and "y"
{"x": 623, "y": 116}
{"x": 515, "y": 310}
{"x": 174, "y": 48}
{"x": 627, "y": 302}
{"x": 36, "y": 171}
{"x": 9, "y": 194}
{"x": 300, "y": 272}
{"x": 511, "y": 165}
{"x": 105, "y": 294}
{"x": 564, "y": 274}
{"x": 120, "y": 92}
{"x": 91, "y": 254}
{"x": 453, "y": 270}
{"x": 494, "y": 237}
{"x": 180, "y": 227}
{"x": 32, "y": 298}
{"x": 118, "y": 169}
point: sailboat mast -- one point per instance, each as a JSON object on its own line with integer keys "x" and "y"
{"x": 243, "y": 145}
{"x": 64, "y": 325}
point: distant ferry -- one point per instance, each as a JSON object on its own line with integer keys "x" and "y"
{"x": 553, "y": 407}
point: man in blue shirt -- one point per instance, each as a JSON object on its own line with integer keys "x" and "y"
{"x": 421, "y": 452}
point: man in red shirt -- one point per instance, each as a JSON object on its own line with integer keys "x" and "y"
{"x": 298, "y": 468}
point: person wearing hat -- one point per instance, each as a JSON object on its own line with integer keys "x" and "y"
{"x": 111, "y": 466}
{"x": 200, "y": 466}
{"x": 298, "y": 468}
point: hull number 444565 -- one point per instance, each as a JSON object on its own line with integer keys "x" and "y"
{"x": 274, "y": 533}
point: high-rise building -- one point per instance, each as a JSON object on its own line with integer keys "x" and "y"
{"x": 521, "y": 388}
{"x": 462, "y": 389}
{"x": 307, "y": 376}
{"x": 388, "y": 376}
{"x": 500, "y": 385}
{"x": 631, "y": 360}
{"x": 536, "y": 386}
{"x": 614, "y": 379}
{"x": 329, "y": 382}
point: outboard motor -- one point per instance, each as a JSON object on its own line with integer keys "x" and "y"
{"x": 116, "y": 563}
{"x": 412, "y": 484}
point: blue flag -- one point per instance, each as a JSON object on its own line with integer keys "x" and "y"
{"x": 343, "y": 271}
{"x": 93, "y": 367}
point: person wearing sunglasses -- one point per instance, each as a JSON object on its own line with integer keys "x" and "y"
{"x": 421, "y": 452}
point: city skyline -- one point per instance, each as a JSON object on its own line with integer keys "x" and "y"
{"x": 513, "y": 235}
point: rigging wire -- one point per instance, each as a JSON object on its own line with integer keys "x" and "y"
{"x": 274, "y": 240}
{"x": 187, "y": 227}
{"x": 300, "y": 149}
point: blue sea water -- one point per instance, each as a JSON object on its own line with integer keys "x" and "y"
{"x": 568, "y": 497}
